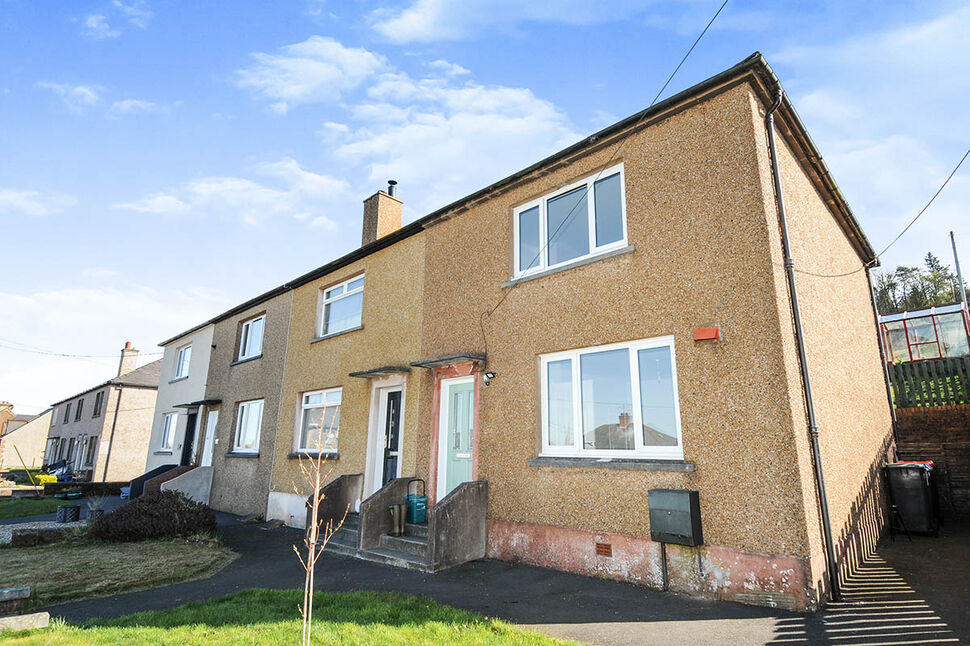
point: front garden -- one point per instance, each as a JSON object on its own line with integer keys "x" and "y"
{"x": 22, "y": 507}
{"x": 271, "y": 617}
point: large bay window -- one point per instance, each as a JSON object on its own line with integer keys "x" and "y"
{"x": 320, "y": 421}
{"x": 578, "y": 221}
{"x": 616, "y": 400}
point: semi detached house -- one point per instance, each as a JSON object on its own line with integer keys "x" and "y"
{"x": 552, "y": 352}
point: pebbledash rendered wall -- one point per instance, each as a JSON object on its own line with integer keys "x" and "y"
{"x": 240, "y": 483}
{"x": 703, "y": 228}
{"x": 390, "y": 335}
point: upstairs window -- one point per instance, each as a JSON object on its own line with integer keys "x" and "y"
{"x": 612, "y": 401}
{"x": 182, "y": 362}
{"x": 54, "y": 416}
{"x": 67, "y": 413}
{"x": 98, "y": 404}
{"x": 248, "y": 422}
{"x": 169, "y": 423}
{"x": 320, "y": 423}
{"x": 577, "y": 221}
{"x": 77, "y": 413}
{"x": 251, "y": 338}
{"x": 342, "y": 306}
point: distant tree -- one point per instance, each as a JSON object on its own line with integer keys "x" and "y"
{"x": 914, "y": 288}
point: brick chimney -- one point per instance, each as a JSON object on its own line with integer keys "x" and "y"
{"x": 382, "y": 214}
{"x": 129, "y": 359}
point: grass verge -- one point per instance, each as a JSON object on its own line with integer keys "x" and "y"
{"x": 20, "y": 507}
{"x": 270, "y": 617}
{"x": 83, "y": 568}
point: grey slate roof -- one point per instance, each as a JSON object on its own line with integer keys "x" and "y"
{"x": 147, "y": 376}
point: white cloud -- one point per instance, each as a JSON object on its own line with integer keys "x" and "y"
{"x": 76, "y": 98}
{"x": 437, "y": 20}
{"x": 448, "y": 69}
{"x": 134, "y": 106}
{"x": 425, "y": 132}
{"x": 318, "y": 70}
{"x": 96, "y": 26}
{"x": 34, "y": 203}
{"x": 136, "y": 12}
{"x": 288, "y": 190}
{"x": 883, "y": 108}
{"x": 102, "y": 319}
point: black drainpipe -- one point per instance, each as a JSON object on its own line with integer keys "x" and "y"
{"x": 802, "y": 357}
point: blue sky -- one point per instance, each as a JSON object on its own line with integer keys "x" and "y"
{"x": 160, "y": 162}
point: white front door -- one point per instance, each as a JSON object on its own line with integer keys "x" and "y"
{"x": 210, "y": 438}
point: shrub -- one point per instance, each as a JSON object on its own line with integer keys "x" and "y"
{"x": 165, "y": 514}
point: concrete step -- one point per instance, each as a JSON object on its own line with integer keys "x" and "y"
{"x": 412, "y": 529}
{"x": 415, "y": 545}
{"x": 395, "y": 558}
{"x": 340, "y": 548}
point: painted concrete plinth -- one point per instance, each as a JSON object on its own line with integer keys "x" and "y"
{"x": 708, "y": 571}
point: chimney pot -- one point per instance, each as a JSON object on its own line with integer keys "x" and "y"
{"x": 392, "y": 187}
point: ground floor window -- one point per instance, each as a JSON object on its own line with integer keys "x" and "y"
{"x": 248, "y": 422}
{"x": 320, "y": 420}
{"x": 92, "y": 445}
{"x": 616, "y": 400}
{"x": 169, "y": 423}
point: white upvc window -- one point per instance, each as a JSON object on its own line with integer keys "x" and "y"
{"x": 251, "y": 338}
{"x": 248, "y": 421}
{"x": 182, "y": 362}
{"x": 320, "y": 421}
{"x": 581, "y": 220}
{"x": 342, "y": 306}
{"x": 612, "y": 401}
{"x": 169, "y": 424}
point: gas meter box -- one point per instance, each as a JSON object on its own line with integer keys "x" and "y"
{"x": 675, "y": 517}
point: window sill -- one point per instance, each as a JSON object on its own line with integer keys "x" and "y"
{"x": 630, "y": 464}
{"x": 238, "y": 361}
{"x": 571, "y": 265}
{"x": 172, "y": 381}
{"x": 333, "y": 334}
{"x": 163, "y": 453}
{"x": 241, "y": 454}
{"x": 296, "y": 455}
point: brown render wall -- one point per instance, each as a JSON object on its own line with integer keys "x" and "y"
{"x": 696, "y": 215}
{"x": 391, "y": 320}
{"x": 122, "y": 455}
{"x": 845, "y": 367}
{"x": 240, "y": 485}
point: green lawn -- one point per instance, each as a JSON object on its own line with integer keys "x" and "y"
{"x": 271, "y": 617}
{"x": 84, "y": 568}
{"x": 18, "y": 507}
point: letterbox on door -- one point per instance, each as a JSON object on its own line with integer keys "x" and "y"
{"x": 675, "y": 517}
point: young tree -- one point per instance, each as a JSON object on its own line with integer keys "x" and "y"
{"x": 315, "y": 472}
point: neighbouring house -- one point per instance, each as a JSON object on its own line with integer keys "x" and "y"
{"x": 103, "y": 432}
{"x": 615, "y": 323}
{"x": 26, "y": 434}
{"x": 935, "y": 333}
{"x": 348, "y": 387}
{"x": 180, "y": 413}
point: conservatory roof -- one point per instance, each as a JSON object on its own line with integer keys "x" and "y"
{"x": 939, "y": 309}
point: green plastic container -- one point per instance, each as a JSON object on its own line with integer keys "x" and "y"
{"x": 417, "y": 504}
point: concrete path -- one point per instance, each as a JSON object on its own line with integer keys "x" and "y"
{"x": 884, "y": 605}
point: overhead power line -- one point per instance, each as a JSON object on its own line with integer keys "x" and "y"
{"x": 901, "y": 233}
{"x": 582, "y": 197}
{"x": 25, "y": 347}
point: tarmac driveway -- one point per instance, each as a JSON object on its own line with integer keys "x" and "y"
{"x": 911, "y": 593}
